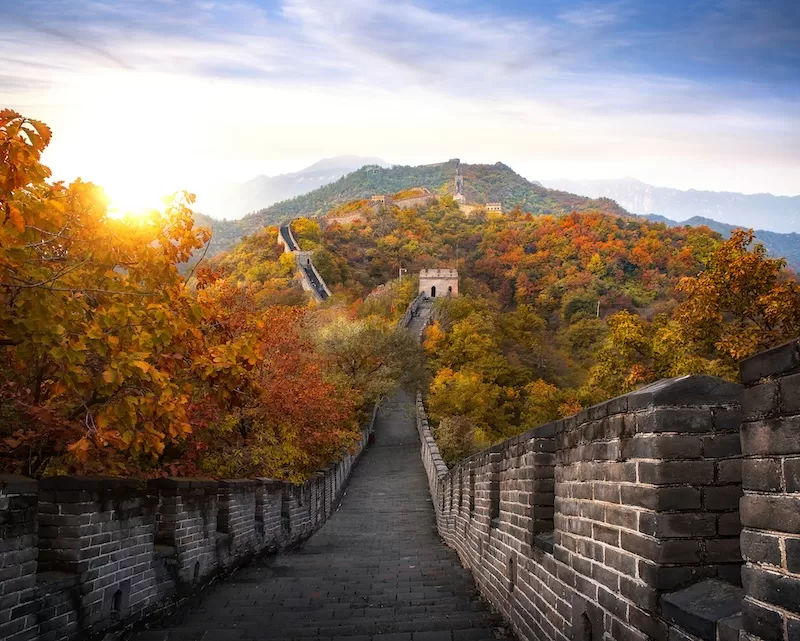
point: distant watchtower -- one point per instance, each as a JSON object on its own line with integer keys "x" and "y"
{"x": 442, "y": 283}
{"x": 381, "y": 199}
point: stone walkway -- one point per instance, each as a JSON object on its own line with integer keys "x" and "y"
{"x": 376, "y": 571}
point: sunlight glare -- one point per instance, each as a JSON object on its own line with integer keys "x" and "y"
{"x": 134, "y": 200}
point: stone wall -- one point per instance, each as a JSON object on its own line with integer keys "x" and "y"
{"x": 416, "y": 201}
{"x": 411, "y": 310}
{"x": 81, "y": 556}
{"x": 621, "y": 522}
{"x": 771, "y": 503}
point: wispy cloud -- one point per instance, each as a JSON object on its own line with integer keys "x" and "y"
{"x": 594, "y": 17}
{"x": 587, "y": 73}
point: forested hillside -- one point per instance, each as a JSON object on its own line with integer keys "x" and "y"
{"x": 778, "y": 245}
{"x": 482, "y": 184}
{"x": 560, "y": 312}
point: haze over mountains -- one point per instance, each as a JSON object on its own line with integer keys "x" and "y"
{"x": 331, "y": 182}
{"x": 765, "y": 211}
{"x": 233, "y": 201}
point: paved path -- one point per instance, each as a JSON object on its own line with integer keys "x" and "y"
{"x": 376, "y": 571}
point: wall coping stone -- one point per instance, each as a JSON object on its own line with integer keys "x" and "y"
{"x": 16, "y": 484}
{"x": 701, "y": 606}
{"x": 237, "y": 482}
{"x": 676, "y": 392}
{"x": 276, "y": 484}
{"x": 683, "y": 390}
{"x": 778, "y": 360}
{"x": 90, "y": 483}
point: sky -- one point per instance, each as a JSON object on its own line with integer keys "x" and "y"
{"x": 149, "y": 96}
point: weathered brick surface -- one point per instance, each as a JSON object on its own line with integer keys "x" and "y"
{"x": 18, "y": 499}
{"x": 112, "y": 551}
{"x": 771, "y": 503}
{"x": 588, "y": 521}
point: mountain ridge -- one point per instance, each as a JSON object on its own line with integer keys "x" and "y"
{"x": 777, "y": 244}
{"x": 482, "y": 183}
{"x": 778, "y": 214}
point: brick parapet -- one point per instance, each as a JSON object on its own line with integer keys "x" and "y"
{"x": 81, "y": 556}
{"x": 587, "y": 522}
{"x": 770, "y": 506}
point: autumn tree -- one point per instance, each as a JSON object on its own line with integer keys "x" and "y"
{"x": 96, "y": 326}
{"x": 110, "y": 362}
{"x": 370, "y": 355}
{"x": 271, "y": 406}
{"x": 742, "y": 303}
{"x": 457, "y": 438}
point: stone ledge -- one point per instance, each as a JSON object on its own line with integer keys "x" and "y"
{"x": 685, "y": 390}
{"x": 275, "y": 484}
{"x": 237, "y": 483}
{"x": 778, "y": 360}
{"x": 699, "y": 608}
{"x": 184, "y": 483}
{"x": 16, "y": 484}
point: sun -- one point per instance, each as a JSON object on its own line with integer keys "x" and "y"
{"x": 134, "y": 200}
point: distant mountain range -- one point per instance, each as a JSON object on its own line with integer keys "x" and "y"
{"x": 774, "y": 213}
{"x": 234, "y": 201}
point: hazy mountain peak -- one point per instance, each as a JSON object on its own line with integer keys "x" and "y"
{"x": 237, "y": 200}
{"x": 349, "y": 161}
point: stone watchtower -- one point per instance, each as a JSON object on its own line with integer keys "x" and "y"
{"x": 438, "y": 282}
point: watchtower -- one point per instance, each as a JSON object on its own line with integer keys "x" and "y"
{"x": 438, "y": 283}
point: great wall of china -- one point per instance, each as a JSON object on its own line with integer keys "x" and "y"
{"x": 311, "y": 280}
{"x": 671, "y": 513}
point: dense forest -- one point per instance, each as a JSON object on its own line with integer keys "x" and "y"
{"x": 123, "y": 351}
{"x": 560, "y": 312}
{"x": 778, "y": 245}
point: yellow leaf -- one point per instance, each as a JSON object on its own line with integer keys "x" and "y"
{"x": 142, "y": 365}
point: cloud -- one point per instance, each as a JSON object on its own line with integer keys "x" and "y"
{"x": 593, "y": 17}
{"x": 408, "y": 74}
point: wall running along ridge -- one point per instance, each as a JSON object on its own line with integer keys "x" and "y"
{"x": 623, "y": 522}
{"x": 303, "y": 262}
{"x": 81, "y": 556}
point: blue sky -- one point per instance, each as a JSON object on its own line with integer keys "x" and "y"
{"x": 687, "y": 93}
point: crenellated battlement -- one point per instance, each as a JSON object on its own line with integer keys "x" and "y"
{"x": 623, "y": 521}
{"x": 80, "y": 556}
